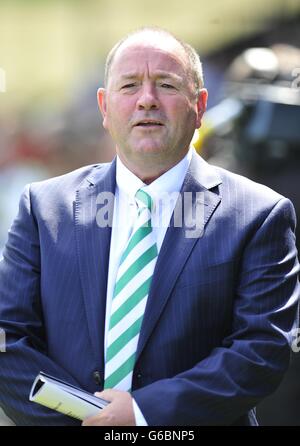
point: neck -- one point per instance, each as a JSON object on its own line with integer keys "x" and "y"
{"x": 147, "y": 172}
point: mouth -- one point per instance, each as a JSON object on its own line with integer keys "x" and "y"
{"x": 148, "y": 123}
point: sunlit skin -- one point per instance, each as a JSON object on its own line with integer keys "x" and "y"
{"x": 118, "y": 413}
{"x": 150, "y": 81}
{"x": 149, "y": 84}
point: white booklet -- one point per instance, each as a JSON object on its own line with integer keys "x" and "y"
{"x": 65, "y": 398}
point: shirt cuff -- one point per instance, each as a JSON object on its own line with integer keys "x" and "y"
{"x": 139, "y": 417}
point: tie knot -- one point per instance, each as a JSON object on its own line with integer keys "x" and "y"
{"x": 143, "y": 200}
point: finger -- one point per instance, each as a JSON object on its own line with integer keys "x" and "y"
{"x": 108, "y": 394}
{"x": 94, "y": 420}
{"x": 89, "y": 421}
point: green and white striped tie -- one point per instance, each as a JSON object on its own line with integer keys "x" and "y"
{"x": 130, "y": 297}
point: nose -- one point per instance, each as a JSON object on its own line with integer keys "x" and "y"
{"x": 148, "y": 99}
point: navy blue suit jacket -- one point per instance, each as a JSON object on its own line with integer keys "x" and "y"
{"x": 217, "y": 326}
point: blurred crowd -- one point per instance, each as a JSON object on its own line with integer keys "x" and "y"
{"x": 42, "y": 143}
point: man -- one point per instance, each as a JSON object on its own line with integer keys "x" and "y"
{"x": 180, "y": 326}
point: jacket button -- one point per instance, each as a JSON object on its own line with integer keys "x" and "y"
{"x": 97, "y": 377}
{"x": 139, "y": 376}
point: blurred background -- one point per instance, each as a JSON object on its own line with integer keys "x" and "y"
{"x": 52, "y": 55}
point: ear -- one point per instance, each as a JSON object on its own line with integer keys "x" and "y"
{"x": 201, "y": 105}
{"x": 101, "y": 98}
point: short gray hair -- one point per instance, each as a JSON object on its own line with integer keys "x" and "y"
{"x": 192, "y": 55}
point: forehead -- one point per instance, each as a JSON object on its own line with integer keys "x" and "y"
{"x": 139, "y": 54}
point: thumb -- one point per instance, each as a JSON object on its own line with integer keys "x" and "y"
{"x": 107, "y": 394}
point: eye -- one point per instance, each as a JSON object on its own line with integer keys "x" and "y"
{"x": 167, "y": 86}
{"x": 128, "y": 85}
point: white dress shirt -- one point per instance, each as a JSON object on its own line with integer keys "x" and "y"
{"x": 125, "y": 212}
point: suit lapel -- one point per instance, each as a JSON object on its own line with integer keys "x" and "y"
{"x": 93, "y": 245}
{"x": 178, "y": 242}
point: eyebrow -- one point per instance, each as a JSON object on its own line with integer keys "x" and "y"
{"x": 158, "y": 75}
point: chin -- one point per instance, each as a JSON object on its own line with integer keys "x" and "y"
{"x": 150, "y": 149}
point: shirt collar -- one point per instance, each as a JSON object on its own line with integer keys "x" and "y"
{"x": 170, "y": 181}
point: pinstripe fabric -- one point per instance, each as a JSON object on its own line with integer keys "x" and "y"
{"x": 218, "y": 315}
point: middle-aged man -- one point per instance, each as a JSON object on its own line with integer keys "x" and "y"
{"x": 180, "y": 324}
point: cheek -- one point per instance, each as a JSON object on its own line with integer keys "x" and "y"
{"x": 120, "y": 119}
{"x": 114, "y": 119}
{"x": 178, "y": 108}
{"x": 187, "y": 113}
{"x": 123, "y": 106}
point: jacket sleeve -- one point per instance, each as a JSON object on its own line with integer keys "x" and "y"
{"x": 24, "y": 353}
{"x": 251, "y": 361}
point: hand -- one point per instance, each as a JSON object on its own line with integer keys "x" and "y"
{"x": 118, "y": 413}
